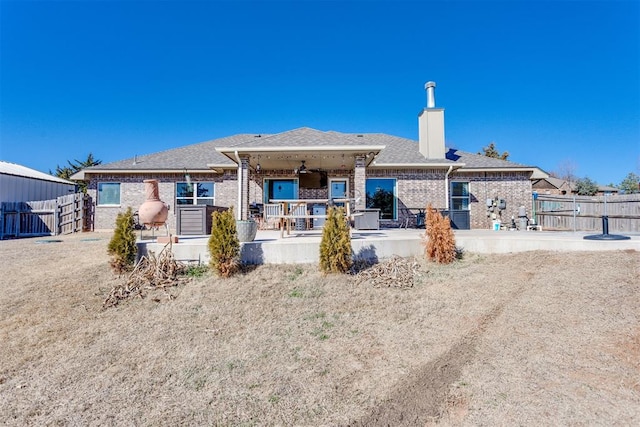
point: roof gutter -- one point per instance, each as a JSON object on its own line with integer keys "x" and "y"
{"x": 239, "y": 213}
{"x": 83, "y": 174}
{"x": 275, "y": 149}
{"x": 446, "y": 188}
{"x": 416, "y": 165}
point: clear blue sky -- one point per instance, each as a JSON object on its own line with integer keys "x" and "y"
{"x": 553, "y": 83}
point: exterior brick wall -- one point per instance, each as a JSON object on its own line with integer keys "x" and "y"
{"x": 415, "y": 189}
{"x": 514, "y": 187}
{"x": 132, "y": 194}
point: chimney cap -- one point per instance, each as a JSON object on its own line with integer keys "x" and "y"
{"x": 429, "y": 84}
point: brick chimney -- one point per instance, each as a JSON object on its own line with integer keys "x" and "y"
{"x": 431, "y": 126}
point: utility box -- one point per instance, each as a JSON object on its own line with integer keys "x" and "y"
{"x": 195, "y": 220}
{"x": 367, "y": 219}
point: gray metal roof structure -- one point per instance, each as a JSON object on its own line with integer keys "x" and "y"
{"x": 8, "y": 168}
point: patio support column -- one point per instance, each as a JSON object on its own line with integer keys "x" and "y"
{"x": 243, "y": 182}
{"x": 359, "y": 182}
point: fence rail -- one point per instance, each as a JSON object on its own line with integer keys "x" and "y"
{"x": 584, "y": 213}
{"x": 64, "y": 215}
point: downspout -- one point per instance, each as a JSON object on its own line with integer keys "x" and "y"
{"x": 239, "y": 213}
{"x": 446, "y": 188}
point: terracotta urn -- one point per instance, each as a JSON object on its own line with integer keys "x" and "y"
{"x": 153, "y": 212}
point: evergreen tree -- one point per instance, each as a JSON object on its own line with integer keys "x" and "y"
{"x": 586, "y": 187}
{"x": 491, "y": 151}
{"x": 122, "y": 246}
{"x": 66, "y": 172}
{"x": 224, "y": 246}
{"x": 335, "y": 246}
{"x": 631, "y": 184}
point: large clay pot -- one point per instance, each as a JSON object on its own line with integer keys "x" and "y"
{"x": 247, "y": 230}
{"x": 153, "y": 212}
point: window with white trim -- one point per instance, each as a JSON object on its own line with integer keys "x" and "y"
{"x": 108, "y": 194}
{"x": 460, "y": 196}
{"x": 195, "y": 193}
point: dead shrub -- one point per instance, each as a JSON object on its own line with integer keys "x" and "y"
{"x": 440, "y": 241}
{"x": 150, "y": 272}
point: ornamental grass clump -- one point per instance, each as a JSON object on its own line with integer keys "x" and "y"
{"x": 122, "y": 246}
{"x": 335, "y": 246}
{"x": 440, "y": 240}
{"x": 224, "y": 246}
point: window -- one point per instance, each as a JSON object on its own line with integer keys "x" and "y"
{"x": 460, "y": 196}
{"x": 203, "y": 194}
{"x": 108, "y": 193}
{"x": 381, "y": 194}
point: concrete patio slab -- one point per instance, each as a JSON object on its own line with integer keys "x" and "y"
{"x": 303, "y": 246}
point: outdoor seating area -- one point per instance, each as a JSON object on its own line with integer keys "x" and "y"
{"x": 302, "y": 214}
{"x": 413, "y": 217}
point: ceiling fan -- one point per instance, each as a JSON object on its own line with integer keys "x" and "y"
{"x": 302, "y": 168}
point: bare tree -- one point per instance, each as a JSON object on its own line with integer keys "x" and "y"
{"x": 566, "y": 170}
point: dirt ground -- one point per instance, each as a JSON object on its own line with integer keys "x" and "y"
{"x": 539, "y": 338}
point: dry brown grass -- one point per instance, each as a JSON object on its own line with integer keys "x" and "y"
{"x": 533, "y": 338}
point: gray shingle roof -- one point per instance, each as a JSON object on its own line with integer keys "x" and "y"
{"x": 192, "y": 157}
{"x": 480, "y": 161}
{"x": 201, "y": 156}
{"x": 304, "y": 137}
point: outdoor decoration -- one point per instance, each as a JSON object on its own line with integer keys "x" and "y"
{"x": 153, "y": 212}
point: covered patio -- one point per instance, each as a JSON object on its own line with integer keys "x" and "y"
{"x": 290, "y": 175}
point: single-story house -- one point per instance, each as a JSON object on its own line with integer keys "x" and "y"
{"x": 552, "y": 185}
{"x": 397, "y": 175}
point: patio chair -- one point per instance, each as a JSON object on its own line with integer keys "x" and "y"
{"x": 272, "y": 216}
{"x": 300, "y": 209}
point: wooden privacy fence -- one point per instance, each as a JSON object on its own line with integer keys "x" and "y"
{"x": 64, "y": 215}
{"x": 584, "y": 213}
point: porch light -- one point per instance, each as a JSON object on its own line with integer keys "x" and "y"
{"x": 258, "y": 168}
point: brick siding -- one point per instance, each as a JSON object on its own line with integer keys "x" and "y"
{"x": 415, "y": 189}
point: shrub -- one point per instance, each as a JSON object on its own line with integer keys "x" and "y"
{"x": 440, "y": 240}
{"x": 122, "y": 246}
{"x": 335, "y": 247}
{"x": 224, "y": 246}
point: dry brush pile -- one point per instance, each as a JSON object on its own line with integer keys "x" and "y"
{"x": 396, "y": 272}
{"x": 151, "y": 272}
